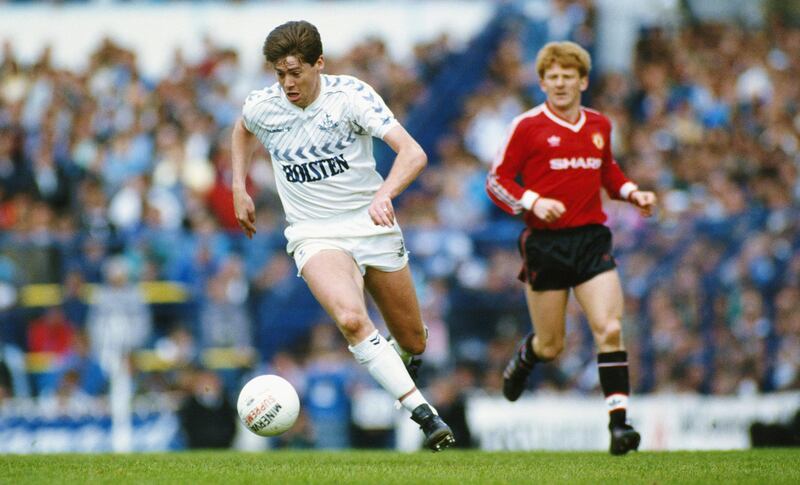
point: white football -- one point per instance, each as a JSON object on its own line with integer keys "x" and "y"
{"x": 268, "y": 405}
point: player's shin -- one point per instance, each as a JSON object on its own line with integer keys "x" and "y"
{"x": 386, "y": 367}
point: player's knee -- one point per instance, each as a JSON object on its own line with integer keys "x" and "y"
{"x": 351, "y": 322}
{"x": 549, "y": 351}
{"x": 611, "y": 334}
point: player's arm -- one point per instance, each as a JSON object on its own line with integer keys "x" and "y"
{"x": 369, "y": 112}
{"x": 242, "y": 145}
{"x": 501, "y": 182}
{"x": 502, "y": 186}
{"x": 408, "y": 164}
{"x": 619, "y": 187}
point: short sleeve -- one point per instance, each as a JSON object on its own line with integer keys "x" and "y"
{"x": 251, "y": 110}
{"x": 369, "y": 111}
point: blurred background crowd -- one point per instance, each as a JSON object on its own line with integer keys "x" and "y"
{"x": 117, "y": 232}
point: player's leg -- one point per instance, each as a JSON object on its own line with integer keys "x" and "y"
{"x": 547, "y": 279}
{"x": 336, "y": 282}
{"x": 547, "y": 310}
{"x": 602, "y": 301}
{"x": 396, "y": 298}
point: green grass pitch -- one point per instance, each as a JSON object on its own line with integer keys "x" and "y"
{"x": 386, "y": 467}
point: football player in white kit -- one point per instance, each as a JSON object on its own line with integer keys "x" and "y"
{"x": 342, "y": 229}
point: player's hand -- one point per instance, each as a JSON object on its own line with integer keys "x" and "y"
{"x": 381, "y": 210}
{"x": 644, "y": 200}
{"x": 548, "y": 210}
{"x": 245, "y": 212}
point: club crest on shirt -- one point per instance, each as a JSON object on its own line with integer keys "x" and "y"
{"x": 328, "y": 124}
{"x": 554, "y": 141}
{"x": 598, "y": 141}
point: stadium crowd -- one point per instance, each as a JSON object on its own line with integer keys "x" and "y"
{"x": 109, "y": 178}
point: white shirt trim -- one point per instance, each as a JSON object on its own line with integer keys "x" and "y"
{"x": 627, "y": 189}
{"x": 576, "y": 127}
{"x": 528, "y": 199}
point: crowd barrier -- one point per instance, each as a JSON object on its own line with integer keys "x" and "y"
{"x": 29, "y": 427}
{"x": 668, "y": 422}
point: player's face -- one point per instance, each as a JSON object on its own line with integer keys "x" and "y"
{"x": 299, "y": 80}
{"x": 563, "y": 86}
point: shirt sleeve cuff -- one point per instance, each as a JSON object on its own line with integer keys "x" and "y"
{"x": 386, "y": 128}
{"x": 528, "y": 199}
{"x": 627, "y": 189}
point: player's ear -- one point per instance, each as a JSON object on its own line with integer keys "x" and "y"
{"x": 320, "y": 64}
{"x": 584, "y": 83}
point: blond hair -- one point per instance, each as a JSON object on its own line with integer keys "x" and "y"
{"x": 567, "y": 54}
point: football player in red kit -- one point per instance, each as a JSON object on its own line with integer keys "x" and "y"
{"x": 556, "y": 159}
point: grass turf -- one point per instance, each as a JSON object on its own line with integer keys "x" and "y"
{"x": 774, "y": 466}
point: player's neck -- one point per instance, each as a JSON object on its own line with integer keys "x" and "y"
{"x": 570, "y": 114}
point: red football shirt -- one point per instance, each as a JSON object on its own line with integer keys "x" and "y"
{"x": 559, "y": 160}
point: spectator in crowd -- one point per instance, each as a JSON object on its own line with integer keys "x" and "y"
{"x": 119, "y": 320}
{"x": 6, "y": 382}
{"x": 78, "y": 371}
{"x": 73, "y": 302}
{"x": 224, "y": 320}
{"x": 51, "y": 332}
{"x": 13, "y": 372}
{"x": 68, "y": 398}
{"x": 208, "y": 418}
{"x": 177, "y": 349}
{"x": 329, "y": 377}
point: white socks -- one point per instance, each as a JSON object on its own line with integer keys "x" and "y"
{"x": 385, "y": 365}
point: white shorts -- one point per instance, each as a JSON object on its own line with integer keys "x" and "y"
{"x": 354, "y": 233}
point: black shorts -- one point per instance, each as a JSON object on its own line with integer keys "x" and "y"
{"x": 562, "y": 259}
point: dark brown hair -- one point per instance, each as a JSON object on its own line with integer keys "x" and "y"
{"x": 296, "y": 38}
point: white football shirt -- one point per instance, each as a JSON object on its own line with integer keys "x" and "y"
{"x": 322, "y": 155}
